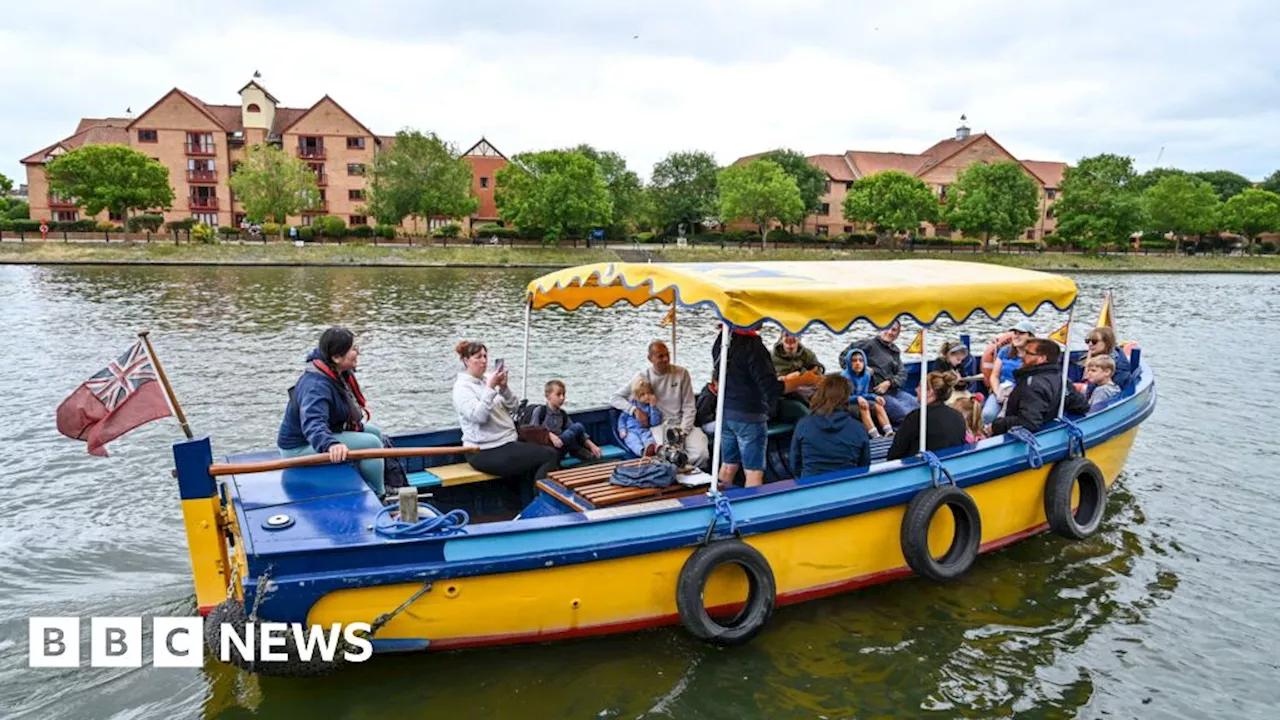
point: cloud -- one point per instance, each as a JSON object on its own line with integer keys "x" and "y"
{"x": 1050, "y": 80}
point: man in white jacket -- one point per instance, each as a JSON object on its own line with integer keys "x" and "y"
{"x": 674, "y": 388}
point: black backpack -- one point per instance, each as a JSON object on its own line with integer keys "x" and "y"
{"x": 529, "y": 413}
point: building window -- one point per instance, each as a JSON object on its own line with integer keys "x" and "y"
{"x": 822, "y": 230}
{"x": 484, "y": 182}
{"x": 210, "y": 219}
{"x": 826, "y": 188}
{"x": 942, "y": 193}
{"x": 1051, "y": 193}
{"x": 307, "y": 220}
{"x": 355, "y": 168}
{"x": 942, "y": 230}
{"x": 1031, "y": 234}
{"x": 826, "y": 209}
{"x": 357, "y": 220}
{"x": 355, "y": 194}
{"x": 114, "y": 216}
{"x": 253, "y": 107}
{"x": 355, "y": 143}
{"x": 311, "y": 146}
{"x": 848, "y": 229}
{"x": 1048, "y": 213}
{"x": 66, "y": 215}
{"x": 240, "y": 220}
{"x": 148, "y": 136}
{"x": 848, "y": 185}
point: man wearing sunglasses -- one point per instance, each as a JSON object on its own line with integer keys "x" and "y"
{"x": 1037, "y": 389}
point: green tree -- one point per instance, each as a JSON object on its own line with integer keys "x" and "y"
{"x": 271, "y": 184}
{"x": 1098, "y": 203}
{"x": 1252, "y": 212}
{"x": 110, "y": 177}
{"x": 892, "y": 201}
{"x": 811, "y": 181}
{"x": 1154, "y": 175}
{"x": 624, "y": 185}
{"x": 1272, "y": 183}
{"x": 1000, "y": 199}
{"x": 6, "y": 185}
{"x": 1226, "y": 183}
{"x": 684, "y": 188}
{"x": 555, "y": 191}
{"x": 760, "y": 191}
{"x": 1181, "y": 204}
{"x": 419, "y": 175}
{"x": 18, "y": 210}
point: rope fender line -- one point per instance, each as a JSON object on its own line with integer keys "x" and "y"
{"x": 723, "y": 512}
{"x": 937, "y": 469}
{"x": 385, "y": 618}
{"x": 1033, "y": 446}
{"x": 451, "y": 522}
{"x": 1075, "y": 437}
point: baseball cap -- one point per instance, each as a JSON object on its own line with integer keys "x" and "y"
{"x": 1024, "y": 326}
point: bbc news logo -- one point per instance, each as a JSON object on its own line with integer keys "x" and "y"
{"x": 179, "y": 642}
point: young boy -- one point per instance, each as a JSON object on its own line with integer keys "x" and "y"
{"x": 1098, "y": 372}
{"x": 867, "y": 401}
{"x": 639, "y": 438}
{"x": 566, "y": 435}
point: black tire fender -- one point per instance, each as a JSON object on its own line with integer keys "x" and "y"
{"x": 692, "y": 583}
{"x": 231, "y": 612}
{"x": 964, "y": 545}
{"x": 1063, "y": 479}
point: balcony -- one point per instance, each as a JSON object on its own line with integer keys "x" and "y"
{"x": 57, "y": 202}
{"x": 319, "y": 206}
{"x": 196, "y": 202}
{"x": 310, "y": 152}
{"x": 322, "y": 179}
{"x": 202, "y": 176}
{"x": 201, "y": 149}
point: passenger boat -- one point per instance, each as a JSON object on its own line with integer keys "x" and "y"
{"x": 314, "y": 545}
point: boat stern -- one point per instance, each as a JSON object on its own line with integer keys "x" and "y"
{"x": 205, "y": 521}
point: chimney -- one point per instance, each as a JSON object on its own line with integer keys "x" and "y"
{"x": 962, "y": 132}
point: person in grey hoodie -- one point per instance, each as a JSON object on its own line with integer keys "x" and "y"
{"x": 888, "y": 374}
{"x": 829, "y": 438}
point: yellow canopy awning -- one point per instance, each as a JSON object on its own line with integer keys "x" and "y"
{"x": 795, "y": 295}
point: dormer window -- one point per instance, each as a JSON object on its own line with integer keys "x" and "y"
{"x": 253, "y": 107}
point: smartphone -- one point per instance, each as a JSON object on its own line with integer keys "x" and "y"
{"x": 499, "y": 365}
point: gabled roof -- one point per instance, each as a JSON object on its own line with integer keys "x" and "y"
{"x": 92, "y": 135}
{"x": 945, "y": 149}
{"x": 254, "y": 83}
{"x": 870, "y": 163}
{"x": 86, "y": 123}
{"x": 483, "y": 148}
{"x": 229, "y": 116}
{"x": 285, "y": 117}
{"x": 286, "y": 128}
{"x": 195, "y": 101}
{"x": 837, "y": 167}
{"x": 1049, "y": 172}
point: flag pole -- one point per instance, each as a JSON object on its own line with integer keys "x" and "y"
{"x": 164, "y": 381}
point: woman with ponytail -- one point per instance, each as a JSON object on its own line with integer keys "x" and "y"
{"x": 944, "y": 426}
{"x": 327, "y": 412}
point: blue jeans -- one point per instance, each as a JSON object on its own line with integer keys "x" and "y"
{"x": 574, "y": 437}
{"x": 637, "y": 440}
{"x": 743, "y": 444}
{"x": 370, "y": 439}
{"x": 990, "y": 408}
{"x": 897, "y": 403}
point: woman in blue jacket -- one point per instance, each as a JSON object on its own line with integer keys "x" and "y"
{"x": 828, "y": 438}
{"x": 326, "y": 411}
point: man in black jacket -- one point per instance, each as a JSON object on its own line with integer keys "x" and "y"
{"x": 1037, "y": 390}
{"x": 751, "y": 388}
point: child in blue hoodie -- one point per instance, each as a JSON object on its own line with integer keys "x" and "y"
{"x": 828, "y": 438}
{"x": 638, "y": 437}
{"x": 859, "y": 377}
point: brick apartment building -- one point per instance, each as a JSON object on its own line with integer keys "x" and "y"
{"x": 937, "y": 166}
{"x": 200, "y": 144}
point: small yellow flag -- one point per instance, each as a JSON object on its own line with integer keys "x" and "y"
{"x": 670, "y": 317}
{"x": 1106, "y": 318}
{"x": 917, "y": 346}
{"x": 1060, "y": 335}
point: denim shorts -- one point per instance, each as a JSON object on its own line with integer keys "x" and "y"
{"x": 743, "y": 444}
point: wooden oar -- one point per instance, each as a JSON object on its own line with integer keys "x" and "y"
{"x": 323, "y": 459}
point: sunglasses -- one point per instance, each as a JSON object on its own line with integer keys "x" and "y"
{"x": 1092, "y": 341}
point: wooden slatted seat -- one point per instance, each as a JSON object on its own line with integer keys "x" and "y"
{"x": 588, "y": 487}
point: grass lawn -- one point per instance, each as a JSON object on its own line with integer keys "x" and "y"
{"x": 287, "y": 254}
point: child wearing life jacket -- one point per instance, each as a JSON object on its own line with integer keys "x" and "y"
{"x": 866, "y": 400}
{"x": 636, "y": 436}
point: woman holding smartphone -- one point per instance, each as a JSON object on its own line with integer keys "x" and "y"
{"x": 485, "y": 405}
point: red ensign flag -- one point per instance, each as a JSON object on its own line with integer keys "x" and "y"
{"x": 122, "y": 396}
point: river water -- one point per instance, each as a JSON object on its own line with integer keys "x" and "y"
{"x": 1170, "y": 611}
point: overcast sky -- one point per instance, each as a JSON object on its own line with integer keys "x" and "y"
{"x": 1049, "y": 80}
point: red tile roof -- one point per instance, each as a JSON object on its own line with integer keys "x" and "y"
{"x": 228, "y": 116}
{"x": 86, "y": 123}
{"x": 1050, "y": 173}
{"x": 285, "y": 118}
{"x": 287, "y": 127}
{"x": 870, "y": 163}
{"x": 93, "y": 134}
{"x": 835, "y": 166}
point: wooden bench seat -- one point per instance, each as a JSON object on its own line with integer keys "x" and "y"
{"x": 588, "y": 487}
{"x": 448, "y": 476}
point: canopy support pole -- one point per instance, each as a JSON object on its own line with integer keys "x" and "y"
{"x": 524, "y": 364}
{"x": 673, "y": 333}
{"x": 719, "y": 440}
{"x": 924, "y": 383}
{"x": 1066, "y": 363}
